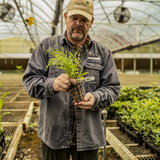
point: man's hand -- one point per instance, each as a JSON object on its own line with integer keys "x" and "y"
{"x": 87, "y": 103}
{"x": 62, "y": 83}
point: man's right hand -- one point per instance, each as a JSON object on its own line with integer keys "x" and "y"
{"x": 62, "y": 83}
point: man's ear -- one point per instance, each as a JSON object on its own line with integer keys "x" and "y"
{"x": 65, "y": 16}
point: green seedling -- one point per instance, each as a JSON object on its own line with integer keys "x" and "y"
{"x": 19, "y": 69}
{"x": 1, "y": 104}
{"x": 70, "y": 65}
{"x": 156, "y": 136}
{"x": 33, "y": 124}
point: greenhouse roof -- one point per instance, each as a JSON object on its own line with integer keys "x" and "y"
{"x": 118, "y": 24}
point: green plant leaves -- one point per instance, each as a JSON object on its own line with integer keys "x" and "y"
{"x": 4, "y": 95}
{"x": 1, "y": 83}
{"x": 84, "y": 73}
{"x": 1, "y": 103}
{"x": 6, "y": 113}
{"x": 156, "y": 130}
{"x": 141, "y": 110}
{"x": 70, "y": 65}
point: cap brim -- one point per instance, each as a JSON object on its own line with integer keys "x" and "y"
{"x": 83, "y": 13}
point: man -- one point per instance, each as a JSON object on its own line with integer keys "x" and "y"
{"x": 65, "y": 126}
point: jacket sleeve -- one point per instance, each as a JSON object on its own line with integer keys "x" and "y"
{"x": 109, "y": 89}
{"x": 35, "y": 79}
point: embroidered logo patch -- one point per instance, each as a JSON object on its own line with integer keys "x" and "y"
{"x": 80, "y": 3}
{"x": 91, "y": 53}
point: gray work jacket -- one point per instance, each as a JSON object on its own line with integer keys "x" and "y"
{"x": 56, "y": 109}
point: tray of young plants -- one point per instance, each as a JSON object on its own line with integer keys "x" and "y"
{"x": 128, "y": 93}
{"x": 138, "y": 115}
{"x": 2, "y": 132}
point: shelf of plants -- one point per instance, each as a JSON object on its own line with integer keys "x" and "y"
{"x": 127, "y": 148}
{"x": 12, "y": 137}
{"x": 14, "y": 117}
{"x": 138, "y": 116}
{"x": 23, "y": 96}
{"x": 20, "y": 113}
{"x": 12, "y": 92}
{"x": 16, "y": 93}
{"x": 16, "y": 105}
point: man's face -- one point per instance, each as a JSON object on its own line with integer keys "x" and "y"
{"x": 77, "y": 26}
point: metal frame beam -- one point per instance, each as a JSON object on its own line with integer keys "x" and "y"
{"x": 137, "y": 44}
{"x": 59, "y": 4}
{"x": 104, "y": 11}
{"x": 25, "y": 23}
{"x": 34, "y": 19}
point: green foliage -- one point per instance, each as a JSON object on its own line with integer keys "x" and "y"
{"x": 70, "y": 65}
{"x": 140, "y": 109}
{"x": 33, "y": 124}
{"x": 143, "y": 116}
{"x": 19, "y": 69}
{"x": 1, "y": 104}
{"x": 4, "y": 95}
{"x": 156, "y": 136}
{"x": 128, "y": 93}
{"x": 8, "y": 138}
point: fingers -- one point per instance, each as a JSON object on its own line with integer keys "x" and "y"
{"x": 88, "y": 96}
{"x": 87, "y": 103}
{"x": 73, "y": 81}
{"x": 84, "y": 105}
{"x": 62, "y": 83}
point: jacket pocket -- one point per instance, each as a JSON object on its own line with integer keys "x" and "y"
{"x": 93, "y": 69}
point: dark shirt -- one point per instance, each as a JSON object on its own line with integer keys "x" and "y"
{"x": 56, "y": 109}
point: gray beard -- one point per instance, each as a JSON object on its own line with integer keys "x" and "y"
{"x": 77, "y": 39}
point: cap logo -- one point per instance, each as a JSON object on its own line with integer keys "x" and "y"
{"x": 82, "y": 7}
{"x": 87, "y": 2}
{"x": 81, "y": 3}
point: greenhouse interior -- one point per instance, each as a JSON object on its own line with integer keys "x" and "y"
{"x": 128, "y": 29}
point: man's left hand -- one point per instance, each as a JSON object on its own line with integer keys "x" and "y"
{"x": 87, "y": 103}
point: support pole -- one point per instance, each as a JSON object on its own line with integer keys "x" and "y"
{"x": 58, "y": 6}
{"x": 137, "y": 32}
{"x": 104, "y": 113}
{"x": 61, "y": 17}
{"x": 151, "y": 60}
{"x": 134, "y": 61}
{"x": 122, "y": 63}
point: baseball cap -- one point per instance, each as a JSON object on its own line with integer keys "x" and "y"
{"x": 82, "y": 7}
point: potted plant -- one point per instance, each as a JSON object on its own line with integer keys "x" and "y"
{"x": 156, "y": 139}
{"x": 71, "y": 67}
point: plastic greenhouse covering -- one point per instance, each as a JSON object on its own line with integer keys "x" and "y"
{"x": 142, "y": 23}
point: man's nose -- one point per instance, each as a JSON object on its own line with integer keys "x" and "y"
{"x": 79, "y": 22}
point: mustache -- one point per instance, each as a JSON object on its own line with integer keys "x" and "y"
{"x": 77, "y": 27}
